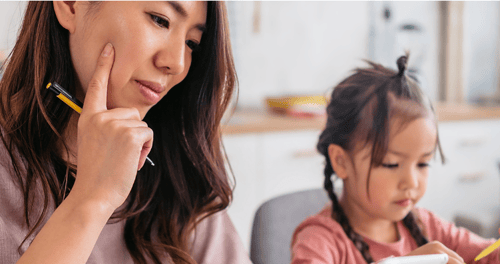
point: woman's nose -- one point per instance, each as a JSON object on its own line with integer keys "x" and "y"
{"x": 170, "y": 58}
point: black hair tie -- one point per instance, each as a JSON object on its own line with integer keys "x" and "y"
{"x": 402, "y": 65}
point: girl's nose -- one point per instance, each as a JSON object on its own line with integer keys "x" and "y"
{"x": 171, "y": 57}
{"x": 410, "y": 179}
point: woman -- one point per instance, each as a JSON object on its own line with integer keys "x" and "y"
{"x": 143, "y": 70}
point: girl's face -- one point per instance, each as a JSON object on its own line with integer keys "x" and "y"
{"x": 153, "y": 44}
{"x": 399, "y": 183}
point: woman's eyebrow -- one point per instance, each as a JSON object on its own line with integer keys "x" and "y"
{"x": 178, "y": 8}
{"x": 182, "y": 11}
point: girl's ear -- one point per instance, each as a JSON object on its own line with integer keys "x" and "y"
{"x": 65, "y": 13}
{"x": 340, "y": 160}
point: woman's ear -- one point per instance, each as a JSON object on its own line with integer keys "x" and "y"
{"x": 340, "y": 160}
{"x": 65, "y": 13}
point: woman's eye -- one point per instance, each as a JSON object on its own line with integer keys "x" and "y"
{"x": 194, "y": 46}
{"x": 160, "y": 21}
{"x": 390, "y": 165}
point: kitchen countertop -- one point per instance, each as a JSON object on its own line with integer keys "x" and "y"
{"x": 260, "y": 120}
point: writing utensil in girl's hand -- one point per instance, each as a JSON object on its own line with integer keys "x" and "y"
{"x": 488, "y": 250}
{"x": 420, "y": 259}
{"x": 72, "y": 102}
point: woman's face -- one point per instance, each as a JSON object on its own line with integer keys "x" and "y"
{"x": 153, "y": 43}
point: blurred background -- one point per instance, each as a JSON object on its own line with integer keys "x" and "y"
{"x": 289, "y": 56}
{"x": 288, "y": 53}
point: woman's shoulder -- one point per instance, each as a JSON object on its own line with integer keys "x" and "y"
{"x": 6, "y": 153}
{"x": 6, "y": 168}
{"x": 216, "y": 240}
{"x": 12, "y": 223}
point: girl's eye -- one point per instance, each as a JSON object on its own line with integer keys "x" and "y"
{"x": 194, "y": 46}
{"x": 423, "y": 165}
{"x": 390, "y": 165}
{"x": 160, "y": 21}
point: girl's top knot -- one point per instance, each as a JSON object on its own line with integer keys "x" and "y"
{"x": 402, "y": 65}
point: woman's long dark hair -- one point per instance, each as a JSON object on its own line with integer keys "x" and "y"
{"x": 360, "y": 110}
{"x": 189, "y": 181}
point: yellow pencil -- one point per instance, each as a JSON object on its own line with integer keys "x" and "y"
{"x": 65, "y": 97}
{"x": 72, "y": 102}
{"x": 488, "y": 250}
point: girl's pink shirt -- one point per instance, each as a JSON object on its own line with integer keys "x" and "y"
{"x": 319, "y": 240}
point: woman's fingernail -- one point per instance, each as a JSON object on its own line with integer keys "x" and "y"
{"x": 107, "y": 50}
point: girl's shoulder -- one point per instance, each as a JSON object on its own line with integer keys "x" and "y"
{"x": 433, "y": 226}
{"x": 428, "y": 218}
{"x": 321, "y": 239}
{"x": 320, "y": 227}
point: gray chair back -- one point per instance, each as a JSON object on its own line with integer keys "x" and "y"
{"x": 276, "y": 220}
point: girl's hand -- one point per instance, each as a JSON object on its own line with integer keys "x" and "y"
{"x": 436, "y": 247}
{"x": 112, "y": 144}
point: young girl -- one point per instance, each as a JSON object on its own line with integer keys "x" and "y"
{"x": 380, "y": 135}
{"x": 144, "y": 70}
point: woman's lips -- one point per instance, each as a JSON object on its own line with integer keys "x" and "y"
{"x": 404, "y": 202}
{"x": 150, "y": 90}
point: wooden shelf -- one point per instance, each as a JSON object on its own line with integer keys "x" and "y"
{"x": 261, "y": 121}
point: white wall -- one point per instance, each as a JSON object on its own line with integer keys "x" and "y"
{"x": 389, "y": 40}
{"x": 481, "y": 49}
{"x": 11, "y": 13}
{"x": 302, "y": 47}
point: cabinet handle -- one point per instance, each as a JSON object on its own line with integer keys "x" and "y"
{"x": 472, "y": 142}
{"x": 471, "y": 177}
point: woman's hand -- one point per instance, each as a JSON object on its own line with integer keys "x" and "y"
{"x": 112, "y": 144}
{"x": 436, "y": 247}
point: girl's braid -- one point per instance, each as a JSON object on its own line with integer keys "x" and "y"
{"x": 339, "y": 215}
{"x": 411, "y": 223}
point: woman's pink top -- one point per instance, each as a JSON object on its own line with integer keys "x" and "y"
{"x": 215, "y": 239}
{"x": 319, "y": 240}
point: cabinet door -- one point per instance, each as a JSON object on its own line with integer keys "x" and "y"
{"x": 469, "y": 181}
{"x": 243, "y": 152}
{"x": 290, "y": 163}
{"x": 267, "y": 165}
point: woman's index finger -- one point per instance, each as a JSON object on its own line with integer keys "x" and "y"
{"x": 96, "y": 97}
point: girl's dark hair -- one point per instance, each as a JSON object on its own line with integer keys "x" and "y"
{"x": 167, "y": 201}
{"x": 360, "y": 110}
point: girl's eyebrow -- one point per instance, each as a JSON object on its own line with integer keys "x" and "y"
{"x": 182, "y": 11}
{"x": 427, "y": 154}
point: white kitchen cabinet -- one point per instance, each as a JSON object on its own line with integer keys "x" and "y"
{"x": 266, "y": 165}
{"x": 243, "y": 152}
{"x": 468, "y": 184}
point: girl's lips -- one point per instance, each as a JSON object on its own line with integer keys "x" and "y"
{"x": 150, "y": 91}
{"x": 404, "y": 202}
